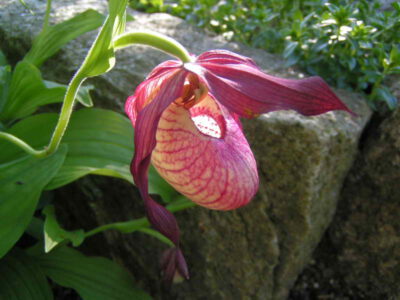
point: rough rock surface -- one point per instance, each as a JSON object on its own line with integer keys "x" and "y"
{"x": 366, "y": 229}
{"x": 255, "y": 252}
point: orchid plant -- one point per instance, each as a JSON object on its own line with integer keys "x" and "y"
{"x": 186, "y": 116}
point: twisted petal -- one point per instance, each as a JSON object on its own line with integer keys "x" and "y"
{"x": 145, "y": 109}
{"x": 244, "y": 89}
{"x": 203, "y": 154}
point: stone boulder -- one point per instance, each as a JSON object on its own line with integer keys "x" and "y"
{"x": 366, "y": 229}
{"x": 255, "y": 252}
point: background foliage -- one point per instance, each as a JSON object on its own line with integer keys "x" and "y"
{"x": 351, "y": 44}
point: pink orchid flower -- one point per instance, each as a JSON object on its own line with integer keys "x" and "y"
{"x": 186, "y": 119}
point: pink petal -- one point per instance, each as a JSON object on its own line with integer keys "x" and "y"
{"x": 145, "y": 121}
{"x": 224, "y": 57}
{"x": 162, "y": 220}
{"x": 247, "y": 91}
{"x": 165, "y": 67}
{"x": 148, "y": 89}
{"x": 181, "y": 264}
{"x": 174, "y": 266}
{"x": 218, "y": 173}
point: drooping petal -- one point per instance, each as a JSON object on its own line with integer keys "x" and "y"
{"x": 145, "y": 122}
{"x": 203, "y": 154}
{"x": 247, "y": 91}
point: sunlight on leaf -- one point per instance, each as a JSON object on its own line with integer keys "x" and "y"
{"x": 49, "y": 42}
{"x": 99, "y": 142}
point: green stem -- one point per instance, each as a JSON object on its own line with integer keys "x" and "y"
{"x": 153, "y": 39}
{"x": 21, "y": 144}
{"x": 46, "y": 16}
{"x": 138, "y": 224}
{"x": 156, "y": 40}
{"x": 65, "y": 114}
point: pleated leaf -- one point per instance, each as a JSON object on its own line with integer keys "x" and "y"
{"x": 28, "y": 91}
{"x": 49, "y": 42}
{"x": 99, "y": 142}
{"x": 5, "y": 79}
{"x": 22, "y": 278}
{"x": 94, "y": 278}
{"x": 21, "y": 183}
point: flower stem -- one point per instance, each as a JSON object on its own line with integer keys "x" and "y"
{"x": 153, "y": 39}
{"x": 21, "y": 144}
{"x": 46, "y": 16}
{"x": 65, "y": 114}
{"x": 139, "y": 224}
{"x": 150, "y": 38}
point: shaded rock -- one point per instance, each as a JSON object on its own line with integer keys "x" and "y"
{"x": 255, "y": 252}
{"x": 366, "y": 229}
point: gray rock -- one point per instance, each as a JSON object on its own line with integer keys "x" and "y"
{"x": 366, "y": 229}
{"x": 255, "y": 252}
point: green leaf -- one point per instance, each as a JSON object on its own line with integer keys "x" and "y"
{"x": 352, "y": 62}
{"x": 99, "y": 142}
{"x": 22, "y": 278}
{"x": 54, "y": 234}
{"x": 298, "y": 15}
{"x": 290, "y": 47}
{"x": 27, "y": 91}
{"x": 292, "y": 60}
{"x": 21, "y": 183}
{"x": 3, "y": 59}
{"x": 94, "y": 278}
{"x": 35, "y": 130}
{"x": 5, "y": 79}
{"x": 49, "y": 42}
{"x": 100, "y": 58}
{"x": 383, "y": 94}
{"x": 395, "y": 70}
{"x": 395, "y": 56}
{"x": 35, "y": 227}
{"x": 83, "y": 95}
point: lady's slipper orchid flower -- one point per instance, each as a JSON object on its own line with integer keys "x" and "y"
{"x": 186, "y": 119}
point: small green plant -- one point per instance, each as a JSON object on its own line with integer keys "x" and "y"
{"x": 351, "y": 44}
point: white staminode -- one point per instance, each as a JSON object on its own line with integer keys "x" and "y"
{"x": 207, "y": 125}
